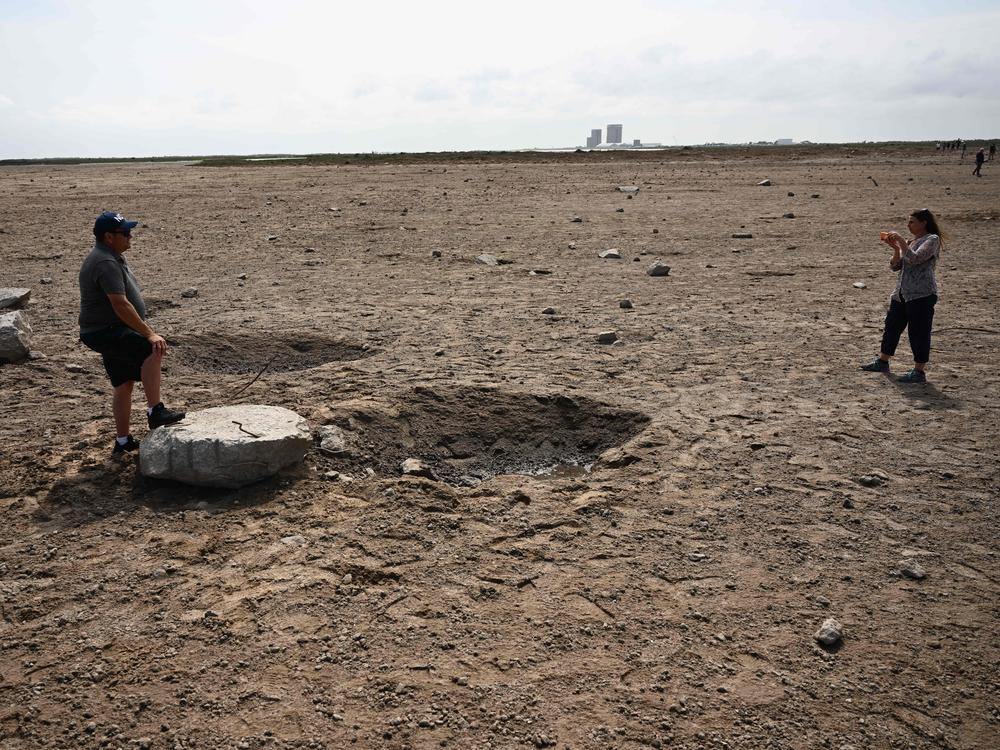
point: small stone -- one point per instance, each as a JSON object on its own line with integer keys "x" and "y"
{"x": 294, "y": 540}
{"x": 610, "y": 254}
{"x": 822, "y": 601}
{"x": 659, "y": 268}
{"x": 830, "y": 633}
{"x": 619, "y": 210}
{"x": 75, "y": 368}
{"x": 487, "y": 260}
{"x": 628, "y": 188}
{"x": 15, "y": 337}
{"x": 788, "y": 215}
{"x": 13, "y": 297}
{"x": 332, "y": 440}
{"x": 576, "y": 220}
{"x": 764, "y": 183}
{"x": 46, "y": 280}
{"x": 697, "y": 556}
{"x": 859, "y": 285}
{"x": 572, "y": 246}
{"x": 848, "y": 503}
{"x": 242, "y": 277}
{"x": 912, "y": 569}
{"x": 625, "y": 304}
{"x": 435, "y": 253}
{"x": 272, "y": 237}
{"x": 191, "y": 291}
{"x": 347, "y": 579}
{"x": 656, "y": 231}
{"x": 549, "y": 311}
{"x": 414, "y": 467}
{"x": 742, "y": 236}
{"x": 791, "y": 194}
{"x": 814, "y": 195}
{"x": 607, "y": 337}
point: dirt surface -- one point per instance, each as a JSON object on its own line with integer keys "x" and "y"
{"x": 687, "y": 506}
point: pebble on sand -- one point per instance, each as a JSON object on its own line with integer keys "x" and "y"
{"x": 659, "y": 268}
{"x": 859, "y": 285}
{"x": 610, "y": 254}
{"x": 191, "y": 291}
{"x": 830, "y": 633}
{"x": 764, "y": 183}
{"x": 913, "y": 570}
{"x": 607, "y": 337}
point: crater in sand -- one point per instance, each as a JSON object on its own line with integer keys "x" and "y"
{"x": 236, "y": 353}
{"x": 467, "y": 435}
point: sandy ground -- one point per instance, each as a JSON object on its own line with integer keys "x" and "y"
{"x": 751, "y": 482}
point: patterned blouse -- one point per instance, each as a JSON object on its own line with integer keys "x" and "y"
{"x": 916, "y": 279}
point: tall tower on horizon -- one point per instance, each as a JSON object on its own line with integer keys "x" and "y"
{"x": 594, "y": 139}
{"x": 615, "y": 133}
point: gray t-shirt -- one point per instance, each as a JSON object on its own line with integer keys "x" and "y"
{"x": 105, "y": 272}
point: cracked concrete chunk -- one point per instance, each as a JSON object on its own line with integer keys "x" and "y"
{"x": 227, "y": 446}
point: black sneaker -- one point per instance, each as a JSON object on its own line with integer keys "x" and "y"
{"x": 913, "y": 376}
{"x": 161, "y": 416}
{"x": 876, "y": 365}
{"x": 130, "y": 445}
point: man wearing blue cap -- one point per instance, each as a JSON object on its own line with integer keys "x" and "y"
{"x": 113, "y": 322}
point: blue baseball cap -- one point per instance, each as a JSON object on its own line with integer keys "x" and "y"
{"x": 110, "y": 221}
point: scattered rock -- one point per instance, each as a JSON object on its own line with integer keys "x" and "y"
{"x": 788, "y": 215}
{"x": 242, "y": 277}
{"x": 435, "y": 253}
{"x": 619, "y": 210}
{"x": 487, "y": 260}
{"x": 191, "y": 291}
{"x": 607, "y": 337}
{"x": 791, "y": 194}
{"x": 46, "y": 280}
{"x": 830, "y": 633}
{"x": 272, "y": 237}
{"x": 628, "y": 188}
{"x": 814, "y": 195}
{"x": 610, "y": 254}
{"x": 75, "y": 368}
{"x": 226, "y": 446}
{"x": 414, "y": 467}
{"x": 13, "y": 297}
{"x": 859, "y": 285}
{"x": 295, "y": 540}
{"x": 549, "y": 311}
{"x": 576, "y": 220}
{"x": 742, "y": 236}
{"x": 913, "y": 570}
{"x": 659, "y": 268}
{"x": 821, "y": 601}
{"x": 874, "y": 478}
{"x": 572, "y": 246}
{"x": 848, "y": 503}
{"x": 15, "y": 336}
{"x": 332, "y": 440}
{"x": 764, "y": 183}
{"x": 625, "y": 304}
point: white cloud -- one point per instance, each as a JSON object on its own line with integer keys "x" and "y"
{"x": 255, "y": 75}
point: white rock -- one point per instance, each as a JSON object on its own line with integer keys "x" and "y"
{"x": 628, "y": 188}
{"x": 227, "y": 446}
{"x": 830, "y": 633}
{"x": 607, "y": 337}
{"x": 611, "y": 253}
{"x": 859, "y": 285}
{"x": 13, "y": 297}
{"x": 764, "y": 183}
{"x": 487, "y": 260}
{"x": 15, "y": 336}
{"x": 659, "y": 268}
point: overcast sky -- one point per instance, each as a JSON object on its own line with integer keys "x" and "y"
{"x": 173, "y": 77}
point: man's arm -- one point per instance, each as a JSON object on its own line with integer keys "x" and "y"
{"x": 128, "y": 315}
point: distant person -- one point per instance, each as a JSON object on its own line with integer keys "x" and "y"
{"x": 980, "y": 158}
{"x": 911, "y": 305}
{"x": 964, "y": 146}
{"x": 993, "y": 150}
{"x": 112, "y": 322}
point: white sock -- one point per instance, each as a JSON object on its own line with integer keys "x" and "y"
{"x": 122, "y": 440}
{"x": 149, "y": 410}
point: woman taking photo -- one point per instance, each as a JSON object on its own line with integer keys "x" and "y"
{"x": 912, "y": 303}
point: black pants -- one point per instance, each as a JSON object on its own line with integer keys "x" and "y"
{"x": 917, "y": 315}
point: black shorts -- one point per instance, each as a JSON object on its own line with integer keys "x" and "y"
{"x": 123, "y": 351}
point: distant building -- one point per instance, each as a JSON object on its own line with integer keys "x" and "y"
{"x": 614, "y": 133}
{"x": 636, "y": 142}
{"x": 594, "y": 140}
{"x": 784, "y": 142}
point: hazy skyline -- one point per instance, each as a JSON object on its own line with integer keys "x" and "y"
{"x": 108, "y": 78}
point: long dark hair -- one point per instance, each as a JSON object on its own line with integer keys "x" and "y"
{"x": 925, "y": 215}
